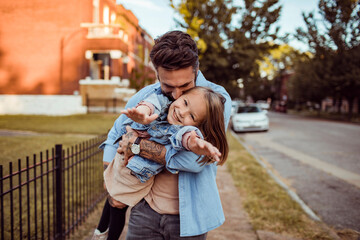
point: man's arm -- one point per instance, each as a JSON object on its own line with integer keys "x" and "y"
{"x": 148, "y": 149}
{"x": 173, "y": 159}
{"x": 152, "y": 150}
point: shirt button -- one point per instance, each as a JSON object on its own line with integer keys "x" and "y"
{"x": 154, "y": 128}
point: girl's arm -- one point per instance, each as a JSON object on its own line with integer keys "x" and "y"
{"x": 174, "y": 159}
{"x": 142, "y": 113}
{"x": 194, "y": 143}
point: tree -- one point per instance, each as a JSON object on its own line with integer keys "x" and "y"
{"x": 230, "y": 48}
{"x": 335, "y": 41}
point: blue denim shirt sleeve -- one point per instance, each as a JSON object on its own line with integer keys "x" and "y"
{"x": 176, "y": 139}
{"x": 108, "y": 145}
{"x": 143, "y": 168}
{"x": 159, "y": 101}
{"x": 179, "y": 159}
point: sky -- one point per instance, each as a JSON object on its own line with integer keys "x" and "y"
{"x": 156, "y": 16}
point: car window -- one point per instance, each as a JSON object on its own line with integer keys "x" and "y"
{"x": 248, "y": 109}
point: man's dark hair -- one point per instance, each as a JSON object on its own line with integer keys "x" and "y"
{"x": 175, "y": 50}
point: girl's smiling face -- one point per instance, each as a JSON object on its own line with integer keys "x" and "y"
{"x": 188, "y": 110}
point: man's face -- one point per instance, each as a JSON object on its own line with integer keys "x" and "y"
{"x": 175, "y": 83}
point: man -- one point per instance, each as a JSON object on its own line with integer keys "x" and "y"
{"x": 184, "y": 199}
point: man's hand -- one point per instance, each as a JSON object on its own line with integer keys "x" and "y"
{"x": 115, "y": 203}
{"x": 125, "y": 144}
{"x": 140, "y": 114}
{"x": 202, "y": 147}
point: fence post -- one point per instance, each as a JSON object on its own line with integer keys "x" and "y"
{"x": 59, "y": 192}
{"x": 2, "y": 229}
{"x": 114, "y": 104}
{"x": 87, "y": 100}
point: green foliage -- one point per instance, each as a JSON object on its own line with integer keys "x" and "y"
{"x": 335, "y": 43}
{"x": 140, "y": 77}
{"x": 231, "y": 38}
{"x": 281, "y": 57}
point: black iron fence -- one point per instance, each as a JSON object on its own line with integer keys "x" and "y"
{"x": 49, "y": 196}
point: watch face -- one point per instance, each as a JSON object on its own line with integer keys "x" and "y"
{"x": 135, "y": 148}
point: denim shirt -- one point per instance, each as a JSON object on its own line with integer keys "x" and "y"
{"x": 160, "y": 131}
{"x": 200, "y": 207}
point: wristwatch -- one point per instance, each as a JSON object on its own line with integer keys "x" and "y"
{"x": 135, "y": 148}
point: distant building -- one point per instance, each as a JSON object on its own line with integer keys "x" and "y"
{"x": 51, "y": 47}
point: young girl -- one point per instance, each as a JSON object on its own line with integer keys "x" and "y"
{"x": 182, "y": 123}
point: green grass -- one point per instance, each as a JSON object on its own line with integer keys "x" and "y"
{"x": 81, "y": 124}
{"x": 66, "y": 130}
{"x": 14, "y": 148}
{"x": 268, "y": 205}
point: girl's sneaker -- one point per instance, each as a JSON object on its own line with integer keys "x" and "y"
{"x": 99, "y": 235}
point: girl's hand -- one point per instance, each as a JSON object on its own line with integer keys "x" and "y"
{"x": 140, "y": 115}
{"x": 125, "y": 144}
{"x": 201, "y": 147}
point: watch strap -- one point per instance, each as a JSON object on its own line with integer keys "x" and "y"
{"x": 137, "y": 141}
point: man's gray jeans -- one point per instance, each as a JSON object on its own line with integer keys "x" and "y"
{"x": 146, "y": 224}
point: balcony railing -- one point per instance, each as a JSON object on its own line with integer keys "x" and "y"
{"x": 99, "y": 30}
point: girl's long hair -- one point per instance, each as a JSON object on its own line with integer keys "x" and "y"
{"x": 213, "y": 126}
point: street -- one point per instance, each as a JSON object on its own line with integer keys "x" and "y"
{"x": 319, "y": 160}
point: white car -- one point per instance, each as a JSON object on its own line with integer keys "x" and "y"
{"x": 250, "y": 118}
{"x": 235, "y": 104}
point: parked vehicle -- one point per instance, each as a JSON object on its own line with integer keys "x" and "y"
{"x": 280, "y": 106}
{"x": 250, "y": 118}
{"x": 235, "y": 104}
{"x": 263, "y": 104}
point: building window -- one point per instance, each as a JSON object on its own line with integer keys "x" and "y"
{"x": 106, "y": 15}
{"x": 106, "y": 19}
{"x": 113, "y": 17}
{"x": 96, "y": 11}
{"x": 146, "y": 57}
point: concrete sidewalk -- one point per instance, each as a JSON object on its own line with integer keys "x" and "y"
{"x": 237, "y": 224}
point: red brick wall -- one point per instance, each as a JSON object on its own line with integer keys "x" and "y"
{"x": 38, "y": 38}
{"x": 31, "y": 33}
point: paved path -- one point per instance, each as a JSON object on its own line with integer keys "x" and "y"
{"x": 237, "y": 225}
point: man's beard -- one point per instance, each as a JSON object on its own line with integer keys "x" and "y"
{"x": 168, "y": 95}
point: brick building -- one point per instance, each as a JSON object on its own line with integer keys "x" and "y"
{"x": 50, "y": 47}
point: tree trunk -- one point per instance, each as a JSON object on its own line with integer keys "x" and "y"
{"x": 339, "y": 104}
{"x": 351, "y": 105}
